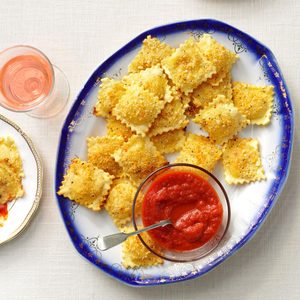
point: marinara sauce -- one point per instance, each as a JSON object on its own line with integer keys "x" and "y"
{"x": 3, "y": 210}
{"x": 190, "y": 202}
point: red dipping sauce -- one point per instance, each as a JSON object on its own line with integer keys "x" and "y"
{"x": 190, "y": 202}
{"x": 3, "y": 210}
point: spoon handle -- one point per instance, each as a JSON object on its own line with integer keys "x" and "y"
{"x": 109, "y": 241}
{"x": 159, "y": 224}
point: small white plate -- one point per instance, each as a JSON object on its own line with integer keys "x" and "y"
{"x": 22, "y": 210}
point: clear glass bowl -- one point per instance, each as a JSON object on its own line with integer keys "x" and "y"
{"x": 191, "y": 255}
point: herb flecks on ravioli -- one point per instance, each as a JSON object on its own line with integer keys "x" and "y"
{"x": 138, "y": 158}
{"x": 188, "y": 67}
{"x": 242, "y": 162}
{"x": 171, "y": 117}
{"x": 200, "y": 151}
{"x": 221, "y": 120}
{"x": 169, "y": 142}
{"x": 135, "y": 254}
{"x": 219, "y": 56}
{"x": 206, "y": 92}
{"x": 86, "y": 184}
{"x": 255, "y": 102}
{"x": 11, "y": 171}
{"x": 153, "y": 51}
{"x": 99, "y": 153}
{"x": 152, "y": 79}
{"x": 109, "y": 94}
{"x": 120, "y": 200}
{"x": 138, "y": 108}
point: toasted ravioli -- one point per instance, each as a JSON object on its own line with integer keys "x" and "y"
{"x": 187, "y": 67}
{"x": 206, "y": 92}
{"x": 171, "y": 117}
{"x": 169, "y": 142}
{"x": 86, "y": 184}
{"x": 220, "y": 57}
{"x": 255, "y": 102}
{"x": 153, "y": 51}
{"x": 186, "y": 99}
{"x": 152, "y": 79}
{"x": 138, "y": 108}
{"x": 242, "y": 162}
{"x": 201, "y": 151}
{"x": 10, "y": 184}
{"x": 138, "y": 158}
{"x": 11, "y": 171}
{"x": 109, "y": 94}
{"x": 221, "y": 119}
{"x": 120, "y": 200}
{"x": 115, "y": 127}
{"x": 136, "y": 255}
{"x": 10, "y": 154}
{"x": 100, "y": 150}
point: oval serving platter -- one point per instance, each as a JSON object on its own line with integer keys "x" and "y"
{"x": 22, "y": 210}
{"x": 256, "y": 65}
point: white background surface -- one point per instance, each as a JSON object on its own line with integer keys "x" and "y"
{"x": 77, "y": 36}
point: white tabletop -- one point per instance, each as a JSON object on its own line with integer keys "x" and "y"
{"x": 77, "y": 35}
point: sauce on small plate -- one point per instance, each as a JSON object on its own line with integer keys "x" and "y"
{"x": 3, "y": 211}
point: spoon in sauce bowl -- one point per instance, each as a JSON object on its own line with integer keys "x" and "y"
{"x": 178, "y": 214}
{"x": 109, "y": 241}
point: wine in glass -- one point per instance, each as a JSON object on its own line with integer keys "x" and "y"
{"x": 30, "y": 83}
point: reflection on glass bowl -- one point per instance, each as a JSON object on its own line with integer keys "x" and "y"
{"x": 203, "y": 249}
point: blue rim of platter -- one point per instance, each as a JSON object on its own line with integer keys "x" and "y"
{"x": 241, "y": 42}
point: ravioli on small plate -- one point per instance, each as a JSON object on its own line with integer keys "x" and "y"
{"x": 21, "y": 210}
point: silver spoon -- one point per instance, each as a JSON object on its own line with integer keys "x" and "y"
{"x": 112, "y": 240}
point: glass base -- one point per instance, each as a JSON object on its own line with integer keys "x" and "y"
{"x": 57, "y": 100}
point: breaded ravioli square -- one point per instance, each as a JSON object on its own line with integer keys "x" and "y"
{"x": 206, "y": 92}
{"x": 115, "y": 127}
{"x": 171, "y": 117}
{"x": 120, "y": 200}
{"x": 188, "y": 67}
{"x": 242, "y": 162}
{"x": 221, "y": 120}
{"x": 85, "y": 184}
{"x": 220, "y": 57}
{"x": 153, "y": 51}
{"x": 255, "y": 102}
{"x": 109, "y": 94}
{"x": 138, "y": 158}
{"x": 10, "y": 184}
{"x": 169, "y": 142}
{"x": 138, "y": 108}
{"x": 136, "y": 255}
{"x": 10, "y": 154}
{"x": 99, "y": 153}
{"x": 200, "y": 151}
{"x": 11, "y": 171}
{"x": 152, "y": 79}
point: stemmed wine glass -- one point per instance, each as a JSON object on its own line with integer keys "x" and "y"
{"x": 30, "y": 83}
